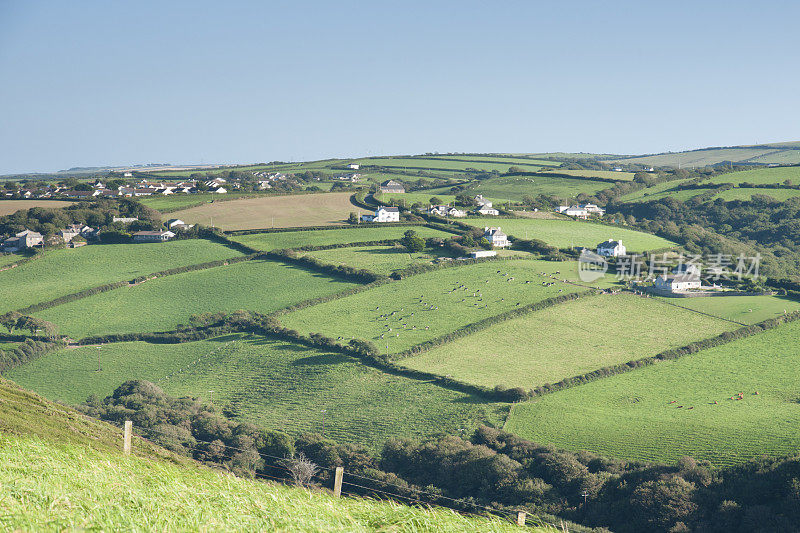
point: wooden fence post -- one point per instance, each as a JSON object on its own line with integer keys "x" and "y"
{"x": 337, "y": 481}
{"x": 126, "y": 443}
{"x": 521, "y": 518}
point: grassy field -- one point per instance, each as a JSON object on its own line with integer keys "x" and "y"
{"x": 387, "y": 259}
{"x": 631, "y": 415}
{"x": 501, "y": 160}
{"x": 273, "y": 384}
{"x": 657, "y": 191}
{"x": 747, "y": 193}
{"x": 570, "y": 339}
{"x": 432, "y": 300}
{"x": 273, "y": 211}
{"x": 7, "y": 259}
{"x": 606, "y": 174}
{"x": 568, "y": 233}
{"x": 290, "y": 239}
{"x": 761, "y": 176}
{"x": 744, "y": 309}
{"x": 516, "y": 187}
{"x": 450, "y": 165}
{"x": 163, "y": 303}
{"x": 8, "y": 207}
{"x": 701, "y": 158}
{"x": 50, "y": 486}
{"x": 62, "y": 272}
{"x": 176, "y": 201}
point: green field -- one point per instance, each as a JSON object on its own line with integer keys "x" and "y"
{"x": 569, "y": 233}
{"x": 567, "y": 340}
{"x": 295, "y": 239}
{"x": 660, "y": 190}
{"x": 630, "y": 415}
{"x": 411, "y": 299}
{"x": 273, "y": 384}
{"x": 7, "y": 259}
{"x": 501, "y": 160}
{"x": 51, "y": 486}
{"x": 702, "y": 158}
{"x": 161, "y": 304}
{"x": 387, "y": 259}
{"x": 516, "y": 187}
{"x": 62, "y": 272}
{"x": 747, "y": 193}
{"x": 606, "y": 174}
{"x": 744, "y": 309}
{"x": 761, "y": 176}
{"x": 181, "y": 201}
{"x": 450, "y": 165}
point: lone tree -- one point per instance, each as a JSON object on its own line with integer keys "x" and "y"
{"x": 300, "y": 467}
{"x": 412, "y": 241}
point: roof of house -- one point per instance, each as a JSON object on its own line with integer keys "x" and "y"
{"x": 391, "y": 183}
{"x": 493, "y": 231}
{"x": 390, "y": 209}
{"x": 28, "y": 232}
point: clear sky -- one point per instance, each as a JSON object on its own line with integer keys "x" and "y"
{"x": 87, "y": 83}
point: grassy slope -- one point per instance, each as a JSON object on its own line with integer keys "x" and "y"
{"x": 761, "y": 175}
{"x": 566, "y": 233}
{"x": 744, "y": 309}
{"x": 629, "y": 415}
{"x": 747, "y": 193}
{"x": 515, "y": 187}
{"x": 25, "y": 413}
{"x": 273, "y": 384}
{"x": 444, "y": 164}
{"x": 619, "y": 176}
{"x": 387, "y": 259}
{"x": 657, "y": 191}
{"x": 161, "y": 304}
{"x": 292, "y": 239}
{"x": 62, "y": 272}
{"x": 701, "y": 158}
{"x": 357, "y": 316}
{"x": 54, "y": 487}
{"x": 567, "y": 340}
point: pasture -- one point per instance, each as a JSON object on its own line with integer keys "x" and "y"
{"x": 401, "y": 314}
{"x": 500, "y": 160}
{"x": 351, "y": 234}
{"x": 461, "y": 165}
{"x": 163, "y": 303}
{"x": 273, "y": 211}
{"x": 605, "y": 174}
{"x": 271, "y": 383}
{"x": 567, "y": 340}
{"x": 61, "y": 272}
{"x": 179, "y": 201}
{"x": 744, "y": 309}
{"x": 565, "y": 233}
{"x": 514, "y": 188}
{"x": 8, "y": 207}
{"x": 761, "y": 176}
{"x": 633, "y": 416}
{"x": 705, "y": 157}
{"x": 387, "y": 259}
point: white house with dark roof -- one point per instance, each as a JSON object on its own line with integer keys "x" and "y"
{"x": 383, "y": 214}
{"x": 487, "y": 210}
{"x": 611, "y": 248}
{"x": 496, "y": 237}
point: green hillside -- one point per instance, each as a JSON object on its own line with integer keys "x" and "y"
{"x": 778, "y": 153}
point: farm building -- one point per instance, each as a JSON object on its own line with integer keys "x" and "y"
{"x": 481, "y": 201}
{"x": 487, "y": 210}
{"x": 70, "y": 232}
{"x": 573, "y": 211}
{"x": 477, "y": 254}
{"x": 353, "y": 166}
{"x": 392, "y": 186}
{"x": 152, "y": 236}
{"x": 22, "y": 240}
{"x": 496, "y": 237}
{"x": 125, "y": 220}
{"x": 611, "y": 248}
{"x": 383, "y": 214}
{"x": 677, "y": 282}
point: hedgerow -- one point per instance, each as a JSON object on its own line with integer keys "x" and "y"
{"x": 29, "y": 350}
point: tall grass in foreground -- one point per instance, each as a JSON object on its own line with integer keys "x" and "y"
{"x": 48, "y": 487}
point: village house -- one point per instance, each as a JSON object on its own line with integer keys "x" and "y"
{"x": 677, "y": 282}
{"x": 383, "y": 214}
{"x": 70, "y": 232}
{"x": 496, "y": 237}
{"x": 22, "y": 240}
{"x": 446, "y": 211}
{"x": 487, "y": 210}
{"x": 152, "y": 236}
{"x": 481, "y": 201}
{"x": 581, "y": 211}
{"x": 353, "y": 166}
{"x": 611, "y": 248}
{"x": 125, "y": 220}
{"x": 177, "y": 224}
{"x": 392, "y": 186}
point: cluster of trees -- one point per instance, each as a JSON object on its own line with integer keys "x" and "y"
{"x": 14, "y": 321}
{"x": 97, "y": 214}
{"x": 489, "y": 468}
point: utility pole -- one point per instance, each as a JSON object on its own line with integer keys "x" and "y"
{"x": 585, "y": 495}
{"x": 211, "y": 400}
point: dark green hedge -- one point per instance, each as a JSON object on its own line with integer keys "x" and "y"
{"x": 358, "y": 275}
{"x": 29, "y": 350}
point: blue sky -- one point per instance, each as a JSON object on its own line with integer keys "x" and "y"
{"x": 104, "y": 83}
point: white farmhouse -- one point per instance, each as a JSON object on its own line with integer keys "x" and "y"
{"x": 383, "y": 214}
{"x": 496, "y": 237}
{"x": 152, "y": 236}
{"x": 481, "y": 201}
{"x": 611, "y": 248}
{"x": 488, "y": 210}
{"x": 677, "y": 282}
{"x": 353, "y": 166}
